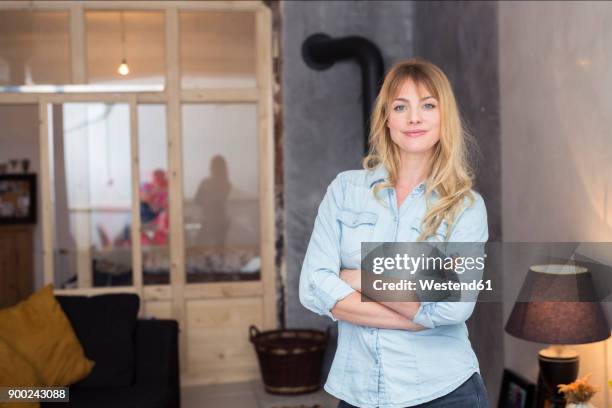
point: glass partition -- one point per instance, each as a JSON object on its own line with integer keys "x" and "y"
{"x": 154, "y": 202}
{"x": 221, "y": 192}
{"x": 92, "y": 194}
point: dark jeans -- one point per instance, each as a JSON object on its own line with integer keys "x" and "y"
{"x": 470, "y": 394}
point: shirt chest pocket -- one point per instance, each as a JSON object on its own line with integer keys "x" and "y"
{"x": 355, "y": 227}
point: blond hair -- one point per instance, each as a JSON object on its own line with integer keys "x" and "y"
{"x": 450, "y": 174}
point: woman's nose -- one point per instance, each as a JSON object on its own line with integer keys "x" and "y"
{"x": 414, "y": 116}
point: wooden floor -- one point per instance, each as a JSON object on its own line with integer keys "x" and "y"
{"x": 249, "y": 395}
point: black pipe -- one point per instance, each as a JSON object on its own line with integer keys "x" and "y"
{"x": 320, "y": 52}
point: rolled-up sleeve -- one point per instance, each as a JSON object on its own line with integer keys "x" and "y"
{"x": 320, "y": 284}
{"x": 471, "y": 226}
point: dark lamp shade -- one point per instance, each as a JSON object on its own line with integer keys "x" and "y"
{"x": 558, "y": 305}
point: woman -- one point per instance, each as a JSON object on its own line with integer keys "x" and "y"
{"x": 415, "y": 186}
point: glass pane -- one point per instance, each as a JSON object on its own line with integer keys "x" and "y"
{"x": 217, "y": 49}
{"x": 153, "y": 152}
{"x": 34, "y": 47}
{"x": 92, "y": 195}
{"x": 221, "y": 192}
{"x": 138, "y": 37}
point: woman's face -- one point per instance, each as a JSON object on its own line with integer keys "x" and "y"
{"x": 414, "y": 119}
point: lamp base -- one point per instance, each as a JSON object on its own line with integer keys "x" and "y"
{"x": 558, "y": 365}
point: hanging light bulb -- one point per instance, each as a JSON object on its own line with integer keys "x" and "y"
{"x": 123, "y": 69}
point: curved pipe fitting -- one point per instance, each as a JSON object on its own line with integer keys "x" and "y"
{"x": 320, "y": 52}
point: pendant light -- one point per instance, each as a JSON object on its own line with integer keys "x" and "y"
{"x": 123, "y": 69}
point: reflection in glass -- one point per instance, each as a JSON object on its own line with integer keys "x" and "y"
{"x": 221, "y": 192}
{"x": 217, "y": 49}
{"x": 138, "y": 37}
{"x": 153, "y": 159}
{"x": 211, "y": 198}
{"x": 34, "y": 47}
{"x": 92, "y": 195}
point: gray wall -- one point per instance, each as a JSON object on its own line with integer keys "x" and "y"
{"x": 461, "y": 38}
{"x": 322, "y": 119}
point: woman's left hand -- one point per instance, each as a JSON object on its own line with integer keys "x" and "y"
{"x": 352, "y": 277}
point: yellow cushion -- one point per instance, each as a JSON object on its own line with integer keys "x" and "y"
{"x": 15, "y": 370}
{"x": 38, "y": 330}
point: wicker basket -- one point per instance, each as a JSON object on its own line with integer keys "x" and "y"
{"x": 290, "y": 360}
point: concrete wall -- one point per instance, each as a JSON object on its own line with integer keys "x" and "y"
{"x": 461, "y": 38}
{"x": 555, "y": 83}
{"x": 322, "y": 118}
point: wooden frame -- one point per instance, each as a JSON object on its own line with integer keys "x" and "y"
{"x": 177, "y": 292}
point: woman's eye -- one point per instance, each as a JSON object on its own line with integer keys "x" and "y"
{"x": 399, "y": 108}
{"x": 429, "y": 106}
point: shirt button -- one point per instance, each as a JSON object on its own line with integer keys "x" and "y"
{"x": 312, "y": 286}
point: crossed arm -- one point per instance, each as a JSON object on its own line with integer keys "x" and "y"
{"x": 385, "y": 315}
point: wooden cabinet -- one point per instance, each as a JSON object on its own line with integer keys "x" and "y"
{"x": 16, "y": 264}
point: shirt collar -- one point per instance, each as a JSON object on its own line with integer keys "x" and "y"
{"x": 380, "y": 174}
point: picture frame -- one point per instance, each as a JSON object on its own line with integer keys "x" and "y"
{"x": 17, "y": 199}
{"x": 516, "y": 392}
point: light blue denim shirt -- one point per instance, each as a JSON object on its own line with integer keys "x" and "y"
{"x": 376, "y": 367}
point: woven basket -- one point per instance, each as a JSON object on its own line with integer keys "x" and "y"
{"x": 290, "y": 360}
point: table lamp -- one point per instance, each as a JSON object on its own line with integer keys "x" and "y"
{"x": 558, "y": 305}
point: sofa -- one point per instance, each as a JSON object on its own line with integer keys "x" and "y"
{"x": 136, "y": 360}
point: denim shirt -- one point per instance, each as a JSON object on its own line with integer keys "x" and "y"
{"x": 376, "y": 367}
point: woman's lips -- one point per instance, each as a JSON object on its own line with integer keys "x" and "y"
{"x": 415, "y": 133}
